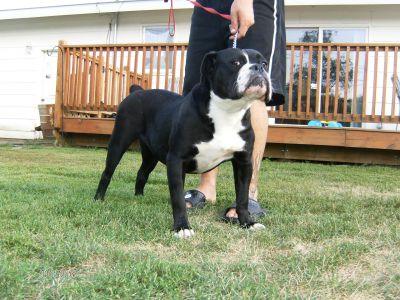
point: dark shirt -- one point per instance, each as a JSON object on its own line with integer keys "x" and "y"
{"x": 222, "y": 6}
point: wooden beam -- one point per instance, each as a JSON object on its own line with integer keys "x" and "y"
{"x": 338, "y": 137}
{"x": 91, "y": 140}
{"x": 277, "y": 151}
{"x": 58, "y": 108}
{"x": 88, "y": 126}
{"x": 333, "y": 154}
{"x": 373, "y": 139}
{"x": 304, "y": 135}
{"x": 278, "y": 134}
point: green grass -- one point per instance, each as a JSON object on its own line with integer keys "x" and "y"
{"x": 333, "y": 231}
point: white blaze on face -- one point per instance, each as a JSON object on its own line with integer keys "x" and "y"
{"x": 244, "y": 74}
{"x": 244, "y": 77}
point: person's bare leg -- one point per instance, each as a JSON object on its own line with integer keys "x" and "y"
{"x": 259, "y": 122}
{"x": 208, "y": 184}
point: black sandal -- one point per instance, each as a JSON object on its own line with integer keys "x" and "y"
{"x": 196, "y": 198}
{"x": 255, "y": 210}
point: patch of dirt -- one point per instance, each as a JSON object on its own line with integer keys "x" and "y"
{"x": 374, "y": 274}
{"x": 156, "y": 248}
{"x": 306, "y": 248}
{"x": 93, "y": 264}
{"x": 89, "y": 266}
{"x": 358, "y": 191}
{"x": 371, "y": 266}
{"x": 362, "y": 296}
{"x": 66, "y": 272}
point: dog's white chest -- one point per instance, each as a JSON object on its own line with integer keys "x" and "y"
{"x": 227, "y": 117}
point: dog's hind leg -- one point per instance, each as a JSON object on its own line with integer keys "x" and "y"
{"x": 120, "y": 141}
{"x": 149, "y": 162}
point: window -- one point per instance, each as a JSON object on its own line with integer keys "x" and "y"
{"x": 326, "y": 35}
{"x": 343, "y": 35}
{"x": 302, "y": 35}
{"x": 158, "y": 34}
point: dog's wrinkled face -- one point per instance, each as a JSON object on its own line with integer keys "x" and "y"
{"x": 236, "y": 74}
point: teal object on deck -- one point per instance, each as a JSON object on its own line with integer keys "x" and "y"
{"x": 334, "y": 124}
{"x": 318, "y": 123}
{"x": 315, "y": 123}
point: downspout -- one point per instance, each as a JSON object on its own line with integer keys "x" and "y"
{"x": 116, "y": 23}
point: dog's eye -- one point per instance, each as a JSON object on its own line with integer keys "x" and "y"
{"x": 236, "y": 63}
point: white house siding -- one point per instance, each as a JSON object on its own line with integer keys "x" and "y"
{"x": 23, "y": 63}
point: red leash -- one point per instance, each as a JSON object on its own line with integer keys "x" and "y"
{"x": 210, "y": 10}
{"x": 171, "y": 17}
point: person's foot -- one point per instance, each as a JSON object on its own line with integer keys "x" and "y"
{"x": 231, "y": 213}
{"x": 253, "y": 193}
{"x": 255, "y": 210}
{"x": 194, "y": 199}
{"x": 208, "y": 192}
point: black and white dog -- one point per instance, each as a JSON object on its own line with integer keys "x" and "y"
{"x": 195, "y": 133}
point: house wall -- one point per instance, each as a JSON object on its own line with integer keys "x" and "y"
{"x": 24, "y": 65}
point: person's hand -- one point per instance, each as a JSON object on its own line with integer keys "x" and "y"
{"x": 242, "y": 17}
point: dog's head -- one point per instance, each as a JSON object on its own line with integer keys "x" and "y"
{"x": 237, "y": 74}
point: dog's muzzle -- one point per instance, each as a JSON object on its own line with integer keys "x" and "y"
{"x": 257, "y": 80}
{"x": 258, "y": 83}
{"x": 258, "y": 76}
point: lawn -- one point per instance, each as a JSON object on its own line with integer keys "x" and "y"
{"x": 333, "y": 231}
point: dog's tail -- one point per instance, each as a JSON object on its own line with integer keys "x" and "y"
{"x": 134, "y": 88}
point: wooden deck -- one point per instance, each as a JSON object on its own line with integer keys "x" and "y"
{"x": 346, "y": 145}
{"x": 348, "y": 83}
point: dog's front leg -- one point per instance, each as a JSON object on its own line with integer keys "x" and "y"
{"x": 175, "y": 182}
{"x": 242, "y": 170}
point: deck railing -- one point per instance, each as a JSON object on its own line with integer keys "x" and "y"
{"x": 342, "y": 82}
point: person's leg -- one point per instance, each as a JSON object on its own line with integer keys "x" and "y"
{"x": 208, "y": 185}
{"x": 259, "y": 122}
{"x": 207, "y": 33}
{"x": 267, "y": 36}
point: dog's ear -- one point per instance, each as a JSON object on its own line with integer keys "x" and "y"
{"x": 208, "y": 67}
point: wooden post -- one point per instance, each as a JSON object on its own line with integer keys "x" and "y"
{"x": 58, "y": 108}
{"x": 59, "y": 101}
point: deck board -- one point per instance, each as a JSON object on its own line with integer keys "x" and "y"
{"x": 278, "y": 134}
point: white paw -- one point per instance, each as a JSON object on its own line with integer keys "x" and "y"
{"x": 257, "y": 226}
{"x": 184, "y": 233}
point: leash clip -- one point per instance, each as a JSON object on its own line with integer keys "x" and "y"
{"x": 234, "y": 44}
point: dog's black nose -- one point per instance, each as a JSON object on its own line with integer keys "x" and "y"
{"x": 257, "y": 68}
